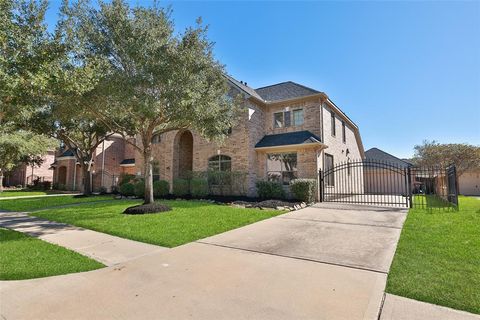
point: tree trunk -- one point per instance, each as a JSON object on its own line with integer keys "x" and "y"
{"x": 87, "y": 186}
{"x": 1, "y": 181}
{"x": 148, "y": 176}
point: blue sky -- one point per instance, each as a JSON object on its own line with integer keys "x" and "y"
{"x": 403, "y": 71}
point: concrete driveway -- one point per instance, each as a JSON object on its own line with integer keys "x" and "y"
{"x": 316, "y": 263}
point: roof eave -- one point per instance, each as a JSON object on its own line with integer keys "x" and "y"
{"x": 293, "y": 146}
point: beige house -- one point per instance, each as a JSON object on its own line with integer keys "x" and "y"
{"x": 469, "y": 183}
{"x": 285, "y": 131}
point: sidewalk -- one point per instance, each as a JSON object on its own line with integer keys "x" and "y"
{"x": 109, "y": 250}
{"x": 40, "y": 196}
{"x": 399, "y": 308}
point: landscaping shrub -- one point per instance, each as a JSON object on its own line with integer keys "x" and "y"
{"x": 303, "y": 189}
{"x": 127, "y": 189}
{"x": 198, "y": 187}
{"x": 139, "y": 188}
{"x": 161, "y": 188}
{"x": 125, "y": 178}
{"x": 270, "y": 190}
{"x": 147, "y": 208}
{"x": 115, "y": 190}
{"x": 102, "y": 190}
{"x": 180, "y": 187}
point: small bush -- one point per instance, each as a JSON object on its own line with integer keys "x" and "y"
{"x": 139, "y": 188}
{"x": 46, "y": 185}
{"x": 180, "y": 187}
{"x": 147, "y": 208}
{"x": 270, "y": 190}
{"x": 303, "y": 189}
{"x": 127, "y": 189}
{"x": 198, "y": 187}
{"x": 102, "y": 190}
{"x": 161, "y": 188}
{"x": 125, "y": 178}
{"x": 114, "y": 189}
{"x": 60, "y": 187}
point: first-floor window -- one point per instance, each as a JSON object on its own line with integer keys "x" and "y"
{"x": 155, "y": 171}
{"x": 282, "y": 167}
{"x": 220, "y": 163}
{"x": 329, "y": 178}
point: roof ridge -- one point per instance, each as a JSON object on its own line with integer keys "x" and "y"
{"x": 391, "y": 155}
{"x": 275, "y": 84}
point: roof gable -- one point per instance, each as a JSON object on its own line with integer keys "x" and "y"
{"x": 380, "y": 155}
{"x": 284, "y": 91}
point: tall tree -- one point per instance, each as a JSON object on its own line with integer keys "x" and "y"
{"x": 26, "y": 55}
{"x": 20, "y": 146}
{"x": 158, "y": 81}
{"x": 73, "y": 85}
{"x": 464, "y": 156}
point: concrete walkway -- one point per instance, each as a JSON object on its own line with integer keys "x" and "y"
{"x": 323, "y": 262}
{"x": 400, "y": 308}
{"x": 109, "y": 250}
{"x": 39, "y": 196}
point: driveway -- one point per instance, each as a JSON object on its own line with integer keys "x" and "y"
{"x": 317, "y": 263}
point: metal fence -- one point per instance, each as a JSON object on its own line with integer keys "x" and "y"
{"x": 383, "y": 183}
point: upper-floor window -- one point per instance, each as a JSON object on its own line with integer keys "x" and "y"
{"x": 156, "y": 138}
{"x": 282, "y": 167}
{"x": 344, "y": 134}
{"x": 288, "y": 118}
{"x": 298, "y": 117}
{"x": 220, "y": 163}
{"x": 155, "y": 170}
{"x": 333, "y": 123}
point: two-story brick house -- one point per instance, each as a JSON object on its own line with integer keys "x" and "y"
{"x": 285, "y": 131}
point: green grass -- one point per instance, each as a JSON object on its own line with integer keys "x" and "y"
{"x": 31, "y": 204}
{"x": 20, "y": 193}
{"x": 24, "y": 257}
{"x": 188, "y": 221}
{"x": 438, "y": 257}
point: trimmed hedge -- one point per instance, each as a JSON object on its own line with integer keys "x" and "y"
{"x": 147, "y": 208}
{"x": 180, "y": 187}
{"x": 270, "y": 190}
{"x": 161, "y": 188}
{"x": 127, "y": 189}
{"x": 198, "y": 187}
{"x": 303, "y": 189}
{"x": 139, "y": 188}
{"x": 126, "y": 178}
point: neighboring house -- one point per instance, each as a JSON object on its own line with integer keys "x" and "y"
{"x": 387, "y": 179}
{"x": 469, "y": 183}
{"x": 24, "y": 175}
{"x": 285, "y": 131}
{"x": 112, "y": 157}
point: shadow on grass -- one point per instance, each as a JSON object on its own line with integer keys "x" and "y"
{"x": 433, "y": 203}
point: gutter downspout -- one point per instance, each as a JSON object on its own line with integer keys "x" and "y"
{"x": 103, "y": 162}
{"x": 74, "y": 175}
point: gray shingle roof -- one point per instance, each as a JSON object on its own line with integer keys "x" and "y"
{"x": 244, "y": 88}
{"x": 380, "y": 155}
{"x": 284, "y": 139}
{"x": 284, "y": 90}
{"x": 68, "y": 153}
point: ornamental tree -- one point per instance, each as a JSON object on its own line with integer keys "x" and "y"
{"x": 157, "y": 81}
{"x": 431, "y": 153}
{"x": 21, "y": 147}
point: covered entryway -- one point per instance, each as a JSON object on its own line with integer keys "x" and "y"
{"x": 183, "y": 154}
{"x": 62, "y": 175}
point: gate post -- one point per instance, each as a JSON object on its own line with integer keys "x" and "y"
{"x": 320, "y": 185}
{"x": 409, "y": 187}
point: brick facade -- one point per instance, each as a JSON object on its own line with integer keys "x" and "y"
{"x": 178, "y": 152}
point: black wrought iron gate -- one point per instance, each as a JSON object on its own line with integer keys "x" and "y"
{"x": 365, "y": 182}
{"x": 383, "y": 183}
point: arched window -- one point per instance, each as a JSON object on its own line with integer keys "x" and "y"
{"x": 220, "y": 163}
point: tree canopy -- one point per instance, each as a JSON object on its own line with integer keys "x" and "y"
{"x": 156, "y": 81}
{"x": 464, "y": 156}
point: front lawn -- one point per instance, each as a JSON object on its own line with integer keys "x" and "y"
{"x": 21, "y": 193}
{"x": 24, "y": 257}
{"x": 438, "y": 257}
{"x": 188, "y": 221}
{"x": 30, "y": 204}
